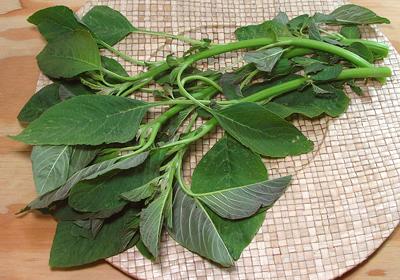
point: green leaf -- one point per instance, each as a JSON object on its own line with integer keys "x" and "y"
{"x": 297, "y": 24}
{"x": 80, "y": 157}
{"x": 267, "y": 29}
{"x": 113, "y": 66}
{"x": 230, "y": 86}
{"x": 281, "y": 18}
{"x": 169, "y": 130}
{"x": 308, "y": 104}
{"x": 361, "y": 50}
{"x": 87, "y": 173}
{"x": 328, "y": 73}
{"x": 313, "y": 31}
{"x": 73, "y": 250}
{"x": 265, "y": 59}
{"x": 226, "y": 165}
{"x": 71, "y": 89}
{"x": 107, "y": 24}
{"x": 40, "y": 102}
{"x": 350, "y": 32}
{"x": 55, "y": 21}
{"x": 262, "y": 131}
{"x": 138, "y": 194}
{"x": 104, "y": 193}
{"x": 50, "y": 165}
{"x": 354, "y": 14}
{"x": 144, "y": 251}
{"x": 151, "y": 221}
{"x": 86, "y": 120}
{"x": 244, "y": 201}
{"x": 69, "y": 55}
{"x": 228, "y": 187}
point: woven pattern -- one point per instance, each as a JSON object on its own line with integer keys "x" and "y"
{"x": 344, "y": 199}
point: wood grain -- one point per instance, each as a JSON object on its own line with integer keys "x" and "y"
{"x": 25, "y": 241}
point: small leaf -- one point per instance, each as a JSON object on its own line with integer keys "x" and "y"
{"x": 230, "y": 86}
{"x": 314, "y": 68}
{"x": 40, "y": 102}
{"x": 350, "y": 32}
{"x": 107, "y": 24}
{"x": 361, "y": 50}
{"x": 170, "y": 129}
{"x": 262, "y": 131}
{"x": 87, "y": 173}
{"x": 281, "y": 18}
{"x": 244, "y": 201}
{"x": 55, "y": 21}
{"x": 313, "y": 31}
{"x": 86, "y": 120}
{"x": 328, "y": 73}
{"x": 50, "y": 166}
{"x": 354, "y": 14}
{"x": 73, "y": 250}
{"x": 138, "y": 194}
{"x": 151, "y": 221}
{"x": 71, "y": 89}
{"x": 267, "y": 29}
{"x": 144, "y": 251}
{"x": 69, "y": 55}
{"x": 298, "y": 24}
{"x": 113, "y": 66}
{"x": 308, "y": 104}
{"x": 264, "y": 60}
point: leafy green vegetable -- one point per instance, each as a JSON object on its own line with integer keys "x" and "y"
{"x": 70, "y": 55}
{"x": 40, "y": 102}
{"x": 350, "y": 32}
{"x": 55, "y": 21}
{"x": 272, "y": 137}
{"x": 107, "y": 24}
{"x": 264, "y": 60}
{"x": 87, "y": 120}
{"x": 309, "y": 104}
{"x": 112, "y": 176}
{"x": 74, "y": 250}
{"x": 354, "y": 14}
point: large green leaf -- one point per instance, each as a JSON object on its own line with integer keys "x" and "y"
{"x": 55, "y": 21}
{"x": 70, "y": 55}
{"x": 309, "y": 104}
{"x": 267, "y": 29}
{"x": 71, "y": 249}
{"x": 81, "y": 156}
{"x": 90, "y": 172}
{"x": 244, "y": 201}
{"x": 262, "y": 131}
{"x": 227, "y": 165}
{"x": 88, "y": 120}
{"x": 50, "y": 165}
{"x": 40, "y": 102}
{"x": 354, "y": 14}
{"x": 107, "y": 24}
{"x": 264, "y": 60}
{"x": 114, "y": 66}
{"x": 151, "y": 221}
{"x": 104, "y": 193}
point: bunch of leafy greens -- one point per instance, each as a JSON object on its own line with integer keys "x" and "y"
{"x": 114, "y": 181}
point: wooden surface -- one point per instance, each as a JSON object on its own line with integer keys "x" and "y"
{"x": 25, "y": 241}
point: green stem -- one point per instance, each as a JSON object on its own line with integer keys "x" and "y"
{"x": 135, "y": 87}
{"x": 203, "y": 79}
{"x": 121, "y": 54}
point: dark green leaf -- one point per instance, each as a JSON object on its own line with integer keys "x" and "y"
{"x": 55, "y": 21}
{"x": 113, "y": 66}
{"x": 361, "y": 50}
{"x": 355, "y": 88}
{"x": 170, "y": 129}
{"x": 87, "y": 120}
{"x": 40, "y": 102}
{"x": 104, "y": 193}
{"x": 144, "y": 251}
{"x": 151, "y": 221}
{"x": 73, "y": 250}
{"x": 313, "y": 31}
{"x": 230, "y": 86}
{"x": 72, "y": 89}
{"x": 308, "y": 104}
{"x": 328, "y": 73}
{"x": 138, "y": 194}
{"x": 69, "y": 55}
{"x": 268, "y": 29}
{"x": 350, "y": 31}
{"x": 107, "y": 24}
{"x": 298, "y": 24}
{"x": 262, "y": 131}
{"x": 354, "y": 14}
{"x": 80, "y": 157}
{"x": 265, "y": 59}
{"x": 50, "y": 165}
{"x": 90, "y": 172}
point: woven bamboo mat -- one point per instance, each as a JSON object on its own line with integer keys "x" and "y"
{"x": 344, "y": 199}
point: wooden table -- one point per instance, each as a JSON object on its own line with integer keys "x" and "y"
{"x": 25, "y": 242}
